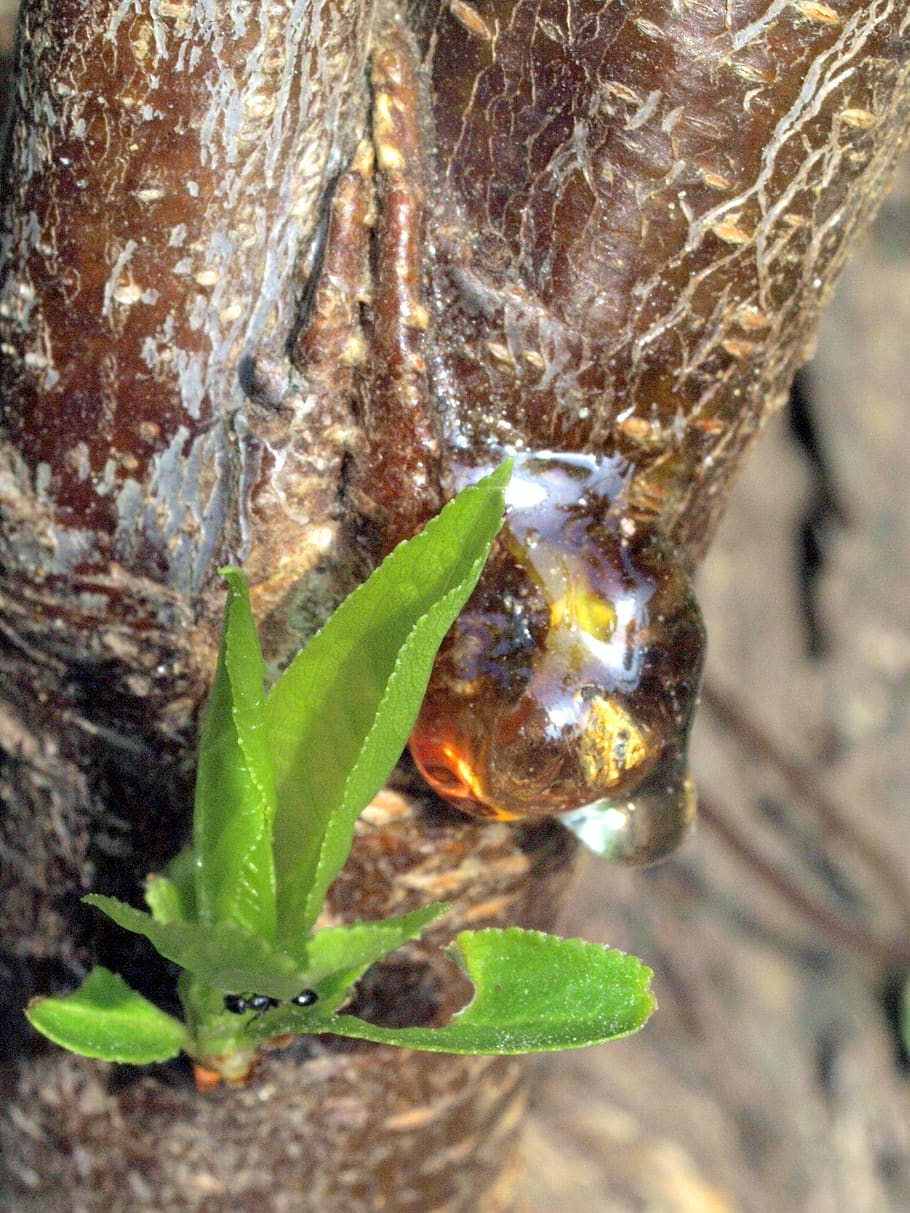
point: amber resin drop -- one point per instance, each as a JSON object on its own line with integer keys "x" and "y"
{"x": 571, "y": 676}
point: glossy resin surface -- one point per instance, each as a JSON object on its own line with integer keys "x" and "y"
{"x": 570, "y": 678}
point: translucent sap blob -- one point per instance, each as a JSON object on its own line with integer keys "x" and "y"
{"x": 569, "y": 681}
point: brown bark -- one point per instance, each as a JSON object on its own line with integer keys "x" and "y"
{"x": 160, "y": 187}
{"x": 624, "y": 220}
{"x": 653, "y": 201}
{"x": 326, "y": 1125}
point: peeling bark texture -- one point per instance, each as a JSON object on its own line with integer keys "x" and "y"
{"x": 274, "y": 278}
{"x": 162, "y": 177}
{"x": 162, "y": 181}
{"x": 644, "y": 207}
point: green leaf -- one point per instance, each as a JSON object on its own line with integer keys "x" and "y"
{"x": 361, "y": 944}
{"x": 105, "y": 1018}
{"x": 221, "y": 953}
{"x": 171, "y": 895}
{"x": 335, "y": 957}
{"x": 163, "y": 900}
{"x": 340, "y": 715}
{"x": 535, "y": 993}
{"x": 235, "y": 782}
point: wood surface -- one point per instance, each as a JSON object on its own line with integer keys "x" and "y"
{"x": 770, "y": 1077}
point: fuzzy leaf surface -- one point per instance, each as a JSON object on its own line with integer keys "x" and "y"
{"x": 335, "y": 957}
{"x": 171, "y": 894}
{"x": 163, "y": 899}
{"x": 363, "y": 943}
{"x": 221, "y": 954}
{"x": 534, "y": 993}
{"x": 107, "y": 1019}
{"x": 339, "y": 716}
{"x": 235, "y": 782}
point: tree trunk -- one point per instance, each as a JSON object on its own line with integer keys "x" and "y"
{"x": 273, "y": 276}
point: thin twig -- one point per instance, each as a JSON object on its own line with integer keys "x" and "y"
{"x": 803, "y": 782}
{"x": 888, "y": 952}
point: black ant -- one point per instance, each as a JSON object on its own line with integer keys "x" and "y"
{"x": 239, "y": 1004}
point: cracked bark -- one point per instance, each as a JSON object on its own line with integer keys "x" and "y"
{"x": 635, "y": 214}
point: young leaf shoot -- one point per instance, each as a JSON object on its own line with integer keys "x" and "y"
{"x": 281, "y": 780}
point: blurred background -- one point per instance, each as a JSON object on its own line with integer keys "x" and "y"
{"x": 773, "y": 1077}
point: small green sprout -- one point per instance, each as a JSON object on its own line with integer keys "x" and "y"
{"x": 281, "y": 780}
